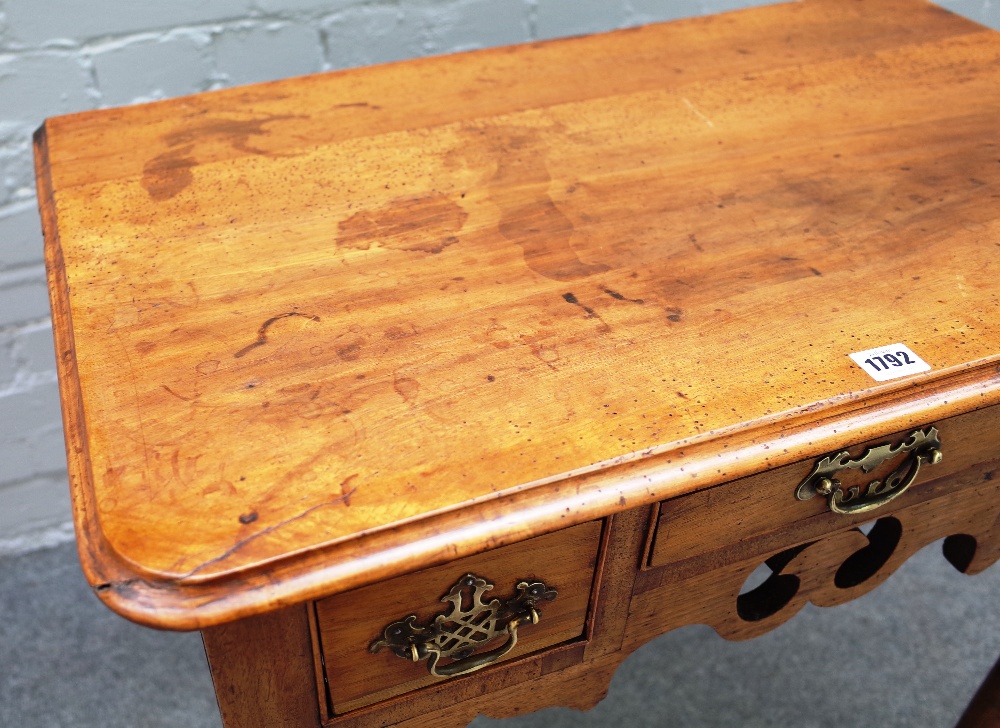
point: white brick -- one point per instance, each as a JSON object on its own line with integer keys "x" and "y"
{"x": 17, "y": 176}
{"x": 472, "y": 24}
{"x": 8, "y": 365}
{"x": 269, "y": 52}
{"x": 558, "y": 18}
{"x": 31, "y": 437}
{"x": 32, "y": 506}
{"x": 152, "y": 69}
{"x": 35, "y": 350}
{"x": 23, "y": 297}
{"x": 20, "y": 235}
{"x": 4, "y": 29}
{"x": 722, "y": 6}
{"x": 27, "y": 361}
{"x": 658, "y": 11}
{"x": 13, "y": 133}
{"x": 290, "y": 7}
{"x": 34, "y": 22}
{"x": 36, "y": 85}
{"x": 367, "y": 35}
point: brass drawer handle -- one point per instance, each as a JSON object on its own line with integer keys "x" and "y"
{"x": 922, "y": 446}
{"x": 457, "y": 633}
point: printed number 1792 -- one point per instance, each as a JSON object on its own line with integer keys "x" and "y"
{"x": 887, "y": 360}
{"x": 890, "y": 362}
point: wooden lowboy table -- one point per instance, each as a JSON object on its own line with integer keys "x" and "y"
{"x": 560, "y": 333}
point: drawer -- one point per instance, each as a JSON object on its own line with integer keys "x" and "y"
{"x": 741, "y": 515}
{"x": 349, "y": 623}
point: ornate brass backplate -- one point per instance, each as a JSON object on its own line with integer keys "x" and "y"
{"x": 922, "y": 446}
{"x": 455, "y": 634}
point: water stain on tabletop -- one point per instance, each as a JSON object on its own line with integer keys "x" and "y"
{"x": 351, "y": 352}
{"x": 395, "y": 333}
{"x": 426, "y": 224}
{"x": 167, "y": 175}
{"x": 407, "y": 388}
{"x": 528, "y": 215}
{"x": 547, "y": 354}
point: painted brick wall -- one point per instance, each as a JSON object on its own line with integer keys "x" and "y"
{"x": 59, "y": 56}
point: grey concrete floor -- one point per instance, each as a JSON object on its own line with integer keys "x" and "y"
{"x": 909, "y": 654}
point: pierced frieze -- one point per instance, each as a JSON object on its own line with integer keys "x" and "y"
{"x": 826, "y": 572}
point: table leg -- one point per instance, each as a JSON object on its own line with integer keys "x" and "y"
{"x": 263, "y": 671}
{"x": 984, "y": 710}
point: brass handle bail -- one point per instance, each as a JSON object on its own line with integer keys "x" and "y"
{"x": 922, "y": 446}
{"x": 456, "y": 634}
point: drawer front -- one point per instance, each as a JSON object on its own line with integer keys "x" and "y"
{"x": 351, "y": 622}
{"x": 742, "y": 513}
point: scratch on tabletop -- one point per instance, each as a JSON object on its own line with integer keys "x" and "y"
{"x": 698, "y": 113}
{"x": 619, "y": 297}
{"x": 179, "y": 396}
{"x": 262, "y": 331}
{"x": 343, "y": 498}
{"x": 345, "y": 492}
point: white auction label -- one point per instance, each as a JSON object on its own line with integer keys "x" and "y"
{"x": 890, "y": 362}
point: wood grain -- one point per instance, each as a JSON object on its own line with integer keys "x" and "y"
{"x": 318, "y": 333}
{"x": 350, "y": 622}
{"x": 749, "y": 508}
{"x": 624, "y": 554}
{"x": 263, "y": 671}
{"x": 509, "y": 689}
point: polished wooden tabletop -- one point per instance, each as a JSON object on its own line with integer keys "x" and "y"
{"x": 316, "y": 332}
